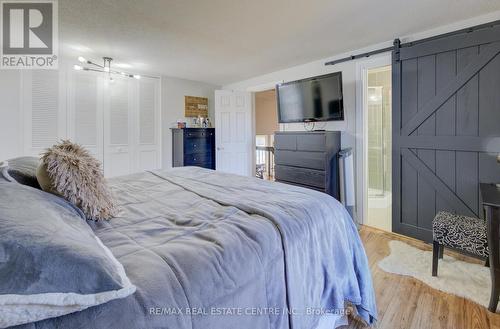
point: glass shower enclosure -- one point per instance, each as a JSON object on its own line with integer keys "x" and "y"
{"x": 379, "y": 166}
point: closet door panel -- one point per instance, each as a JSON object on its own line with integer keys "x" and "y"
{"x": 148, "y": 152}
{"x": 44, "y": 111}
{"x": 85, "y": 115}
{"x": 118, "y": 128}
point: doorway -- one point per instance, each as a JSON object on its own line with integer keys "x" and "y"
{"x": 233, "y": 140}
{"x": 266, "y": 124}
{"x": 378, "y": 146}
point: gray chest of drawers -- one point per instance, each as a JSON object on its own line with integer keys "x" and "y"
{"x": 308, "y": 159}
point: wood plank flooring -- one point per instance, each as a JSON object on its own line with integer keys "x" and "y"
{"x": 406, "y": 303}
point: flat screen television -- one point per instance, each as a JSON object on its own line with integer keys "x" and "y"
{"x": 309, "y": 100}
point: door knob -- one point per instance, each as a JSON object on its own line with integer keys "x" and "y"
{"x": 220, "y": 148}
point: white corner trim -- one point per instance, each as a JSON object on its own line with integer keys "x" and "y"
{"x": 362, "y": 66}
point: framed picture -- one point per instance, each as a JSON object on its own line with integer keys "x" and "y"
{"x": 195, "y": 106}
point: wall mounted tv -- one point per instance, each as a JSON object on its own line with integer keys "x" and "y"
{"x": 309, "y": 100}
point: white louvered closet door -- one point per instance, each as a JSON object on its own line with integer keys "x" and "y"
{"x": 85, "y": 116}
{"x": 148, "y": 152}
{"x": 117, "y": 122}
{"x": 43, "y": 110}
{"x": 119, "y": 127}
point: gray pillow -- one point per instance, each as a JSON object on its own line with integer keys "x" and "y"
{"x": 51, "y": 262}
{"x": 23, "y": 170}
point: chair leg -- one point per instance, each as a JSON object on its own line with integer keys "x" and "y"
{"x": 495, "y": 291}
{"x": 441, "y": 251}
{"x": 435, "y": 257}
{"x": 487, "y": 262}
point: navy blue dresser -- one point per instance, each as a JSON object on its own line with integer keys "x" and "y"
{"x": 193, "y": 147}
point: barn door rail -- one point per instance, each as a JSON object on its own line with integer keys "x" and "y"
{"x": 367, "y": 54}
{"x": 493, "y": 26}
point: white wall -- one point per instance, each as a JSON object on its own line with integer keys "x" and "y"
{"x": 350, "y": 135}
{"x": 173, "y": 92}
{"x": 10, "y": 121}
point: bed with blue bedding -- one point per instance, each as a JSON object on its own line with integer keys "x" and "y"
{"x": 211, "y": 250}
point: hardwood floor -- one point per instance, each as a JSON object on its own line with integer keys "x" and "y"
{"x": 406, "y": 303}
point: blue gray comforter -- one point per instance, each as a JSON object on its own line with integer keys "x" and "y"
{"x": 211, "y": 250}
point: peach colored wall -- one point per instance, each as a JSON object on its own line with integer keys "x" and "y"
{"x": 266, "y": 118}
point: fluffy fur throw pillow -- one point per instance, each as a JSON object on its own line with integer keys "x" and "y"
{"x": 68, "y": 170}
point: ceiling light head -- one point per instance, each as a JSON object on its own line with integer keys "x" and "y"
{"x": 107, "y": 64}
{"x": 104, "y": 68}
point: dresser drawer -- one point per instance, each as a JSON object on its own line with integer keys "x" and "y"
{"x": 285, "y": 142}
{"x": 195, "y": 133}
{"x": 197, "y": 145}
{"x": 302, "y": 185}
{"x": 208, "y": 165}
{"x": 312, "y": 160}
{"x": 304, "y": 176}
{"x": 197, "y": 159}
{"x": 311, "y": 142}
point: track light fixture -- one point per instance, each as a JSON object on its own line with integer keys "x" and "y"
{"x": 104, "y": 68}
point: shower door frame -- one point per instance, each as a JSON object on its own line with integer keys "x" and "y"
{"x": 362, "y": 68}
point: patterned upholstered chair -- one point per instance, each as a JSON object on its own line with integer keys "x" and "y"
{"x": 463, "y": 233}
{"x": 458, "y": 232}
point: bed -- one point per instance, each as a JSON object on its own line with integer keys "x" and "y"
{"x": 213, "y": 250}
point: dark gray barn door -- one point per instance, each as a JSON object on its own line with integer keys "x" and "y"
{"x": 446, "y": 127}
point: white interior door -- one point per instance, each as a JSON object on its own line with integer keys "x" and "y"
{"x": 234, "y": 140}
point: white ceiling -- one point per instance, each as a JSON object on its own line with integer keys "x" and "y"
{"x": 223, "y": 41}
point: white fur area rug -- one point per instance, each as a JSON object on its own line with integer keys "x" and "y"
{"x": 471, "y": 281}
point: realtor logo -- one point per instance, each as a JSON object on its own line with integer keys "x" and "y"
{"x": 28, "y": 34}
